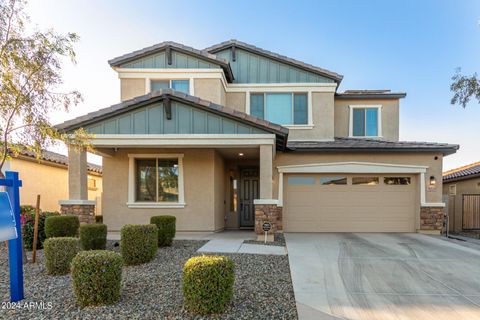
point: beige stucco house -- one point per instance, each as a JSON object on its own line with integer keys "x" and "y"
{"x": 461, "y": 191}
{"x": 47, "y": 176}
{"x": 233, "y": 135}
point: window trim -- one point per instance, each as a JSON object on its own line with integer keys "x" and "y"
{"x": 131, "y": 182}
{"x": 379, "y": 120}
{"x": 264, "y": 91}
{"x": 148, "y": 83}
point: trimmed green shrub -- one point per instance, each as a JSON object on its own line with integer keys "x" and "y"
{"x": 138, "y": 243}
{"x": 61, "y": 226}
{"x": 59, "y": 252}
{"x": 97, "y": 277}
{"x": 208, "y": 284}
{"x": 99, "y": 219}
{"x": 27, "y": 219}
{"x": 166, "y": 229}
{"x": 93, "y": 236}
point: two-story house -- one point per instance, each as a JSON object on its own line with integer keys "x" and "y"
{"x": 233, "y": 135}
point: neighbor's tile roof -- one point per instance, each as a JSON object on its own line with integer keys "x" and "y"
{"x": 362, "y": 144}
{"x": 370, "y": 94}
{"x": 242, "y": 45}
{"x": 465, "y": 172}
{"x": 58, "y": 159}
{"x": 115, "y": 62}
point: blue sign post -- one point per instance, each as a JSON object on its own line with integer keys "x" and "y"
{"x": 11, "y": 205}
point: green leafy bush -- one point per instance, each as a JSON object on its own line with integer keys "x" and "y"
{"x": 208, "y": 284}
{"x": 166, "y": 229}
{"x": 27, "y": 219}
{"x": 97, "y": 276}
{"x": 61, "y": 226}
{"x": 59, "y": 252}
{"x": 138, "y": 243}
{"x": 93, "y": 236}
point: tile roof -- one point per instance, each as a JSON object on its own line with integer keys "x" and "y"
{"x": 115, "y": 62}
{"x": 160, "y": 95}
{"x": 465, "y": 172}
{"x": 370, "y": 94}
{"x": 248, "y": 47}
{"x": 58, "y": 159}
{"x": 361, "y": 144}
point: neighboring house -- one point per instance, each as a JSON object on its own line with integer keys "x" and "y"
{"x": 461, "y": 190}
{"x": 48, "y": 177}
{"x": 233, "y": 135}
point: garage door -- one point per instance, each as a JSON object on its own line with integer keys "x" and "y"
{"x": 349, "y": 203}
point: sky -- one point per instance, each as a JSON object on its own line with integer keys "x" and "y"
{"x": 409, "y": 46}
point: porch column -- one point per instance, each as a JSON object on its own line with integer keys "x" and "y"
{"x": 266, "y": 159}
{"x": 77, "y": 174}
{"x": 266, "y": 208}
{"x": 77, "y": 202}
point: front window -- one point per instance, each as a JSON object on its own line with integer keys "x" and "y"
{"x": 156, "y": 180}
{"x": 280, "y": 108}
{"x": 177, "y": 85}
{"x": 365, "y": 122}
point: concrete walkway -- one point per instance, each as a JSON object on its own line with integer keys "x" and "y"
{"x": 232, "y": 242}
{"x": 383, "y": 276}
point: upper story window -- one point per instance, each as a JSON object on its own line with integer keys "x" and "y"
{"x": 365, "y": 121}
{"x": 280, "y": 108}
{"x": 178, "y": 85}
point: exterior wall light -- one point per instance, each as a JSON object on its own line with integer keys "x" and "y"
{"x": 433, "y": 182}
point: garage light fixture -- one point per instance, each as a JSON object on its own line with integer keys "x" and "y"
{"x": 433, "y": 182}
{"x": 240, "y": 154}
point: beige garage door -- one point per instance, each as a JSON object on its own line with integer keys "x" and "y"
{"x": 349, "y": 203}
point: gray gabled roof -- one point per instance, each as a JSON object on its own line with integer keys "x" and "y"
{"x": 160, "y": 95}
{"x": 275, "y": 56}
{"x": 370, "y": 145}
{"x": 57, "y": 158}
{"x": 370, "y": 94}
{"x": 224, "y": 64}
{"x": 462, "y": 173}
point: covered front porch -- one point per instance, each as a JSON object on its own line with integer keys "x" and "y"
{"x": 208, "y": 183}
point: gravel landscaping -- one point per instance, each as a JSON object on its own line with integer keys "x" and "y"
{"x": 263, "y": 289}
{"x": 278, "y": 240}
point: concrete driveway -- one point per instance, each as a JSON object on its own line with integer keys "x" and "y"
{"x": 383, "y": 276}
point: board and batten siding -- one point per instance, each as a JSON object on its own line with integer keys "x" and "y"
{"x": 252, "y": 68}
{"x": 185, "y": 120}
{"x": 179, "y": 61}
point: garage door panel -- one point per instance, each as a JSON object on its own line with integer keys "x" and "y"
{"x": 349, "y": 208}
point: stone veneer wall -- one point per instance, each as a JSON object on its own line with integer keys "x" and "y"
{"x": 431, "y": 218}
{"x": 85, "y": 212}
{"x": 268, "y": 212}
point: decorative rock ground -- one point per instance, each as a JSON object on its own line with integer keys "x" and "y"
{"x": 263, "y": 289}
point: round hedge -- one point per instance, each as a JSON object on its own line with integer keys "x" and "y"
{"x": 61, "y": 226}
{"x": 59, "y": 253}
{"x": 166, "y": 229}
{"x": 93, "y": 236}
{"x": 208, "y": 284}
{"x": 97, "y": 276}
{"x": 138, "y": 243}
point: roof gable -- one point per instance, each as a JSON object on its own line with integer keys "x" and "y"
{"x": 172, "y": 55}
{"x": 251, "y": 64}
{"x": 171, "y": 112}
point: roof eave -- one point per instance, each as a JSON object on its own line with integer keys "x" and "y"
{"x": 399, "y": 95}
{"x": 444, "y": 151}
